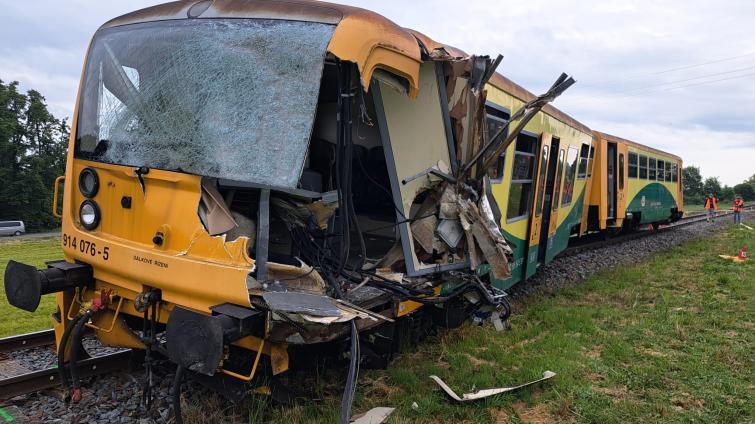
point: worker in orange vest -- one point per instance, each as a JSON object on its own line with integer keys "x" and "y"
{"x": 711, "y": 206}
{"x": 739, "y": 204}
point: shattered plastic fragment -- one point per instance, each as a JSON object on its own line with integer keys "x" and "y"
{"x": 480, "y": 394}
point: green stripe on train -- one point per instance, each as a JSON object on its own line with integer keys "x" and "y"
{"x": 654, "y": 203}
{"x": 556, "y": 244}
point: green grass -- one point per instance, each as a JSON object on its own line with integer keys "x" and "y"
{"x": 32, "y": 252}
{"x": 667, "y": 340}
{"x": 695, "y": 208}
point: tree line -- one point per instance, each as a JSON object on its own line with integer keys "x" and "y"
{"x": 696, "y": 188}
{"x": 33, "y": 146}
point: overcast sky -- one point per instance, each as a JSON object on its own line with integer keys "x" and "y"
{"x": 673, "y": 74}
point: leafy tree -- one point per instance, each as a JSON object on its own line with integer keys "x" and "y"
{"x": 747, "y": 191}
{"x": 33, "y": 147}
{"x": 712, "y": 186}
{"x": 693, "y": 181}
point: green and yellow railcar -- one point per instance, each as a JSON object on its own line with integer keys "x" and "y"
{"x": 633, "y": 185}
{"x": 540, "y": 181}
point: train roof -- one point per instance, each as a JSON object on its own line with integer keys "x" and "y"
{"x": 616, "y": 139}
{"x": 362, "y": 36}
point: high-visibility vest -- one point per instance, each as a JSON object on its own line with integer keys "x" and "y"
{"x": 710, "y": 203}
{"x": 738, "y": 205}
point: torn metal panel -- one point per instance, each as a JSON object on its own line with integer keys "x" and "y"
{"x": 213, "y": 211}
{"x": 486, "y": 235}
{"x": 302, "y": 303}
{"x": 303, "y": 278}
{"x": 481, "y": 394}
{"x": 148, "y": 99}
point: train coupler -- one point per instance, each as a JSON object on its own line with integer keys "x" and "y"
{"x": 25, "y": 284}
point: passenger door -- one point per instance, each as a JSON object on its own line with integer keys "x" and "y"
{"x": 536, "y": 224}
{"x": 622, "y": 186}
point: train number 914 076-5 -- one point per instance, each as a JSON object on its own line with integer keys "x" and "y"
{"x": 86, "y": 247}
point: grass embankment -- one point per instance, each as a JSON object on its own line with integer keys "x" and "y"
{"x": 667, "y": 340}
{"x": 32, "y": 252}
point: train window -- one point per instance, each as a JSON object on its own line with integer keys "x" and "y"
{"x": 621, "y": 171}
{"x": 589, "y": 162}
{"x": 660, "y": 170}
{"x": 522, "y": 170}
{"x": 632, "y": 165}
{"x": 583, "y": 159}
{"x": 643, "y": 167}
{"x": 651, "y": 169}
{"x": 668, "y": 172}
{"x": 495, "y": 119}
{"x": 496, "y": 171}
{"x": 675, "y": 173}
{"x": 571, "y": 169}
{"x": 541, "y": 181}
{"x": 557, "y": 186}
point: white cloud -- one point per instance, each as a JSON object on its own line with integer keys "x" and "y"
{"x": 614, "y": 48}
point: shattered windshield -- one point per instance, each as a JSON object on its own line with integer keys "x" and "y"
{"x": 233, "y": 99}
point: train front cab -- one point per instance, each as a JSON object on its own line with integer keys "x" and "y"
{"x": 540, "y": 182}
{"x": 632, "y": 185}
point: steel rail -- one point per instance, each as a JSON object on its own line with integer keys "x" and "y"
{"x": 28, "y": 340}
{"x": 48, "y": 378}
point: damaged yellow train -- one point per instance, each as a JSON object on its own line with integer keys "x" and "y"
{"x": 249, "y": 179}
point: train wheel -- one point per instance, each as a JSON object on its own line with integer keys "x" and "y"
{"x": 655, "y": 226}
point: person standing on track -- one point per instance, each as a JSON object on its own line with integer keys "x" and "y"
{"x": 739, "y": 204}
{"x": 711, "y": 206}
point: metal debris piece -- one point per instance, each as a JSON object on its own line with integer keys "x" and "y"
{"x": 374, "y": 416}
{"x": 451, "y": 232}
{"x": 213, "y": 211}
{"x": 481, "y": 394}
{"x": 302, "y": 303}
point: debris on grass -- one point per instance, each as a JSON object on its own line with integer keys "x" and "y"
{"x": 480, "y": 394}
{"x": 374, "y": 416}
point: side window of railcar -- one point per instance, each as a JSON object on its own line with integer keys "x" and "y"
{"x": 632, "y": 165}
{"x": 668, "y": 172}
{"x": 643, "y": 167}
{"x": 660, "y": 170}
{"x": 557, "y": 186}
{"x": 522, "y": 170}
{"x": 495, "y": 119}
{"x": 589, "y": 163}
{"x": 674, "y": 173}
{"x": 571, "y": 169}
{"x": 583, "y": 159}
{"x": 651, "y": 169}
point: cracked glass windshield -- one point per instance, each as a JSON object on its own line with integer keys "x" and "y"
{"x": 222, "y": 98}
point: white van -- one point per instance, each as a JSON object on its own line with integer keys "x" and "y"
{"x": 12, "y": 228}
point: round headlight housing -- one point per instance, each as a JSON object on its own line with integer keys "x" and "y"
{"x": 89, "y": 182}
{"x": 89, "y": 214}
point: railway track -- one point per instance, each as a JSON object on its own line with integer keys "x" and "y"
{"x": 682, "y": 222}
{"x": 16, "y": 379}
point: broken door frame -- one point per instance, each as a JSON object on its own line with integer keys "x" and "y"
{"x": 404, "y": 227}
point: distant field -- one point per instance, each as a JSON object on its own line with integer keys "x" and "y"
{"x": 693, "y": 208}
{"x": 33, "y": 252}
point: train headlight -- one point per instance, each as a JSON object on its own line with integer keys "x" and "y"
{"x": 89, "y": 182}
{"x": 89, "y": 214}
